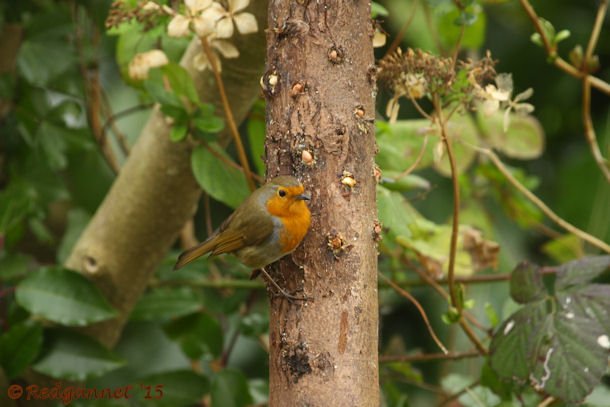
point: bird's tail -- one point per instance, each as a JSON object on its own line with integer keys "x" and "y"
{"x": 193, "y": 253}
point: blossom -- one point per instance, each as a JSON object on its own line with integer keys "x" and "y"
{"x": 144, "y": 61}
{"x": 195, "y": 17}
{"x": 201, "y": 61}
{"x": 226, "y": 18}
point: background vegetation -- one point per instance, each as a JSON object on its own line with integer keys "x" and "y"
{"x": 201, "y": 333}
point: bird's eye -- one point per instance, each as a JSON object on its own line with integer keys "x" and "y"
{"x": 281, "y": 192}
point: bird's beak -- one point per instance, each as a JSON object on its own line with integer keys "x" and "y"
{"x": 303, "y": 197}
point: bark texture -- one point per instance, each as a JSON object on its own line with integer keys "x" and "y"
{"x": 155, "y": 192}
{"x": 320, "y": 89}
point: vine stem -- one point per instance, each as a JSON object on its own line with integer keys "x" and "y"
{"x": 429, "y": 357}
{"x": 541, "y": 205}
{"x": 241, "y": 152}
{"x": 407, "y": 295}
{"x": 456, "y": 207}
{"x": 558, "y": 61}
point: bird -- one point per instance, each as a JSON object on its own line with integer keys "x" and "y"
{"x": 268, "y": 225}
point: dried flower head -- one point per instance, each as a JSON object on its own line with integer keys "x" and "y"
{"x": 144, "y": 62}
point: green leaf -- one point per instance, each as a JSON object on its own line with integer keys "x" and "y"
{"x": 394, "y": 212}
{"x": 13, "y": 266}
{"x": 394, "y": 181}
{"x": 230, "y": 389}
{"x": 63, "y": 296}
{"x": 19, "y": 347}
{"x": 472, "y": 20}
{"x": 378, "y": 10}
{"x": 463, "y": 135}
{"x": 223, "y": 182}
{"x": 175, "y": 388}
{"x": 73, "y": 356}
{"x": 581, "y": 271}
{"x": 197, "y": 334}
{"x": 178, "y": 132}
{"x": 209, "y": 124}
{"x": 400, "y": 143}
{"x": 524, "y": 139}
{"x": 166, "y": 303}
{"x": 155, "y": 86}
{"x": 35, "y": 56}
{"x": 52, "y": 141}
{"x": 526, "y": 283}
{"x": 564, "y": 248}
{"x": 180, "y": 81}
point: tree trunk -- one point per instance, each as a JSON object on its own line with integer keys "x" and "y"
{"x": 155, "y": 193}
{"x": 320, "y": 89}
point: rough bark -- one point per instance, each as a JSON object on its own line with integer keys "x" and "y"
{"x": 320, "y": 87}
{"x": 155, "y": 192}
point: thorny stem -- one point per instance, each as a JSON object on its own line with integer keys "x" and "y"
{"x": 243, "y": 159}
{"x": 419, "y": 308}
{"x": 558, "y": 61}
{"x": 541, "y": 205}
{"x": 429, "y": 357}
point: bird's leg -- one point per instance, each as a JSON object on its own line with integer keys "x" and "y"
{"x": 280, "y": 289}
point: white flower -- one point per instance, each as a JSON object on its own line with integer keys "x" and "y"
{"x": 143, "y": 62}
{"x": 225, "y": 18}
{"x": 224, "y": 47}
{"x": 195, "y": 18}
{"x": 379, "y": 38}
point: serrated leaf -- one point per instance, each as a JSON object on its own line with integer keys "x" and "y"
{"x": 514, "y": 345}
{"x": 592, "y": 300}
{"x": 581, "y": 271}
{"x": 175, "y": 388}
{"x": 570, "y": 362}
{"x": 526, "y": 283}
{"x": 197, "y": 334}
{"x": 63, "y": 296}
{"x": 223, "y": 182}
{"x": 230, "y": 389}
{"x": 73, "y": 356}
{"x": 19, "y": 347}
{"x": 162, "y": 304}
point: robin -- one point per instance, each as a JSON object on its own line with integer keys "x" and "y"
{"x": 268, "y": 225}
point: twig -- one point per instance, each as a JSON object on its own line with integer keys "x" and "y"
{"x": 601, "y": 162}
{"x": 558, "y": 61}
{"x": 429, "y": 357}
{"x": 419, "y": 308}
{"x": 230, "y": 162}
{"x": 111, "y": 123}
{"x": 541, "y": 205}
{"x": 417, "y": 160}
{"x": 241, "y": 153}
{"x": 547, "y": 401}
{"x": 597, "y": 28}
